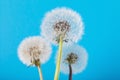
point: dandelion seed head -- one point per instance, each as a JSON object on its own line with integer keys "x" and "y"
{"x": 71, "y": 58}
{"x": 34, "y": 51}
{"x": 61, "y": 27}
{"x": 76, "y": 56}
{"x": 62, "y": 22}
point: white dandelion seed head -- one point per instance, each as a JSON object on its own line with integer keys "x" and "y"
{"x": 79, "y": 59}
{"x": 33, "y": 49}
{"x": 62, "y": 21}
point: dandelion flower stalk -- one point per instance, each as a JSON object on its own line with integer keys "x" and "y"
{"x": 37, "y": 64}
{"x": 70, "y": 72}
{"x": 56, "y": 77}
{"x": 40, "y": 72}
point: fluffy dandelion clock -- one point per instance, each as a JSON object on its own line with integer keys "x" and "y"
{"x": 34, "y": 51}
{"x": 62, "y": 22}
{"x": 74, "y": 60}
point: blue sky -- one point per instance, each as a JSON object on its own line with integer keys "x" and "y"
{"x": 22, "y": 18}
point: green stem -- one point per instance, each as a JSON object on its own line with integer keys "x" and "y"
{"x": 40, "y": 73}
{"x": 56, "y": 77}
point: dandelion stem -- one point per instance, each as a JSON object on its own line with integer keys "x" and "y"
{"x": 40, "y": 73}
{"x": 56, "y": 77}
{"x": 70, "y": 72}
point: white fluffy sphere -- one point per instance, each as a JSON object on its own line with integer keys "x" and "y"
{"x": 80, "y": 63}
{"x": 34, "y": 48}
{"x": 62, "y": 16}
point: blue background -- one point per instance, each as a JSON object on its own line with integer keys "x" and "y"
{"x": 22, "y": 18}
